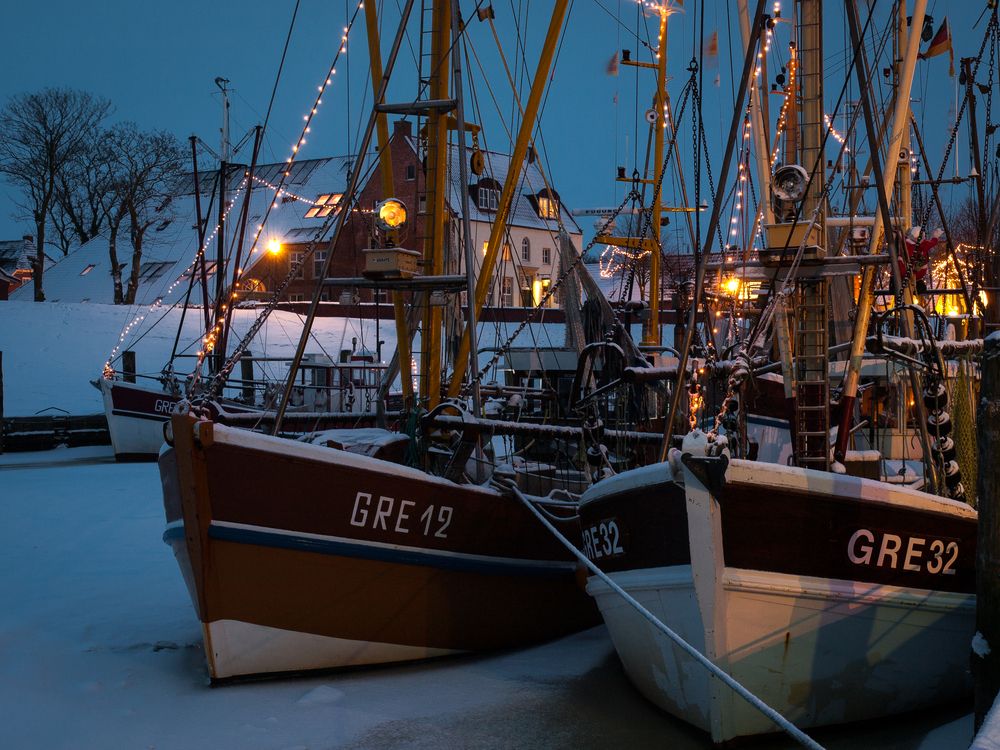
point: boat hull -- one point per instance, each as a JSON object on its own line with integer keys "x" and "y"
{"x": 304, "y": 557}
{"x": 834, "y": 599}
{"x": 136, "y": 415}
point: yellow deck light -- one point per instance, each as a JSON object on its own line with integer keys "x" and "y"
{"x": 391, "y": 214}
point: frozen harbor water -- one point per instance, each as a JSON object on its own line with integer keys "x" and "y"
{"x": 100, "y": 648}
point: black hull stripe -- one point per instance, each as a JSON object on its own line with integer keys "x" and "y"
{"x": 368, "y": 552}
{"x": 140, "y": 415}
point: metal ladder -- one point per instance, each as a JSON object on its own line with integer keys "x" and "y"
{"x": 812, "y": 379}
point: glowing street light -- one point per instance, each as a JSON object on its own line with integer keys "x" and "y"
{"x": 274, "y": 247}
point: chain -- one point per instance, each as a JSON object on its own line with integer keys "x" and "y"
{"x": 708, "y": 170}
{"x": 989, "y": 98}
{"x": 632, "y": 195}
{"x": 693, "y": 67}
{"x": 218, "y": 381}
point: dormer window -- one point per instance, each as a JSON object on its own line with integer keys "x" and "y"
{"x": 325, "y": 205}
{"x": 487, "y": 194}
{"x": 547, "y": 203}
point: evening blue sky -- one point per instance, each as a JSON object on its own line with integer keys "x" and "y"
{"x": 157, "y": 61}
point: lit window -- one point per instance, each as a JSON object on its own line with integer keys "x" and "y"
{"x": 507, "y": 292}
{"x": 546, "y": 255}
{"x": 526, "y": 250}
{"x": 548, "y": 208}
{"x": 90, "y": 268}
{"x": 486, "y": 244}
{"x": 507, "y": 251}
{"x": 325, "y": 205}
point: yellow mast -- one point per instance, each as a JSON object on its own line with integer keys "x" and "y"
{"x": 434, "y": 226}
{"x": 385, "y": 164}
{"x": 652, "y": 334}
{"x": 510, "y": 185}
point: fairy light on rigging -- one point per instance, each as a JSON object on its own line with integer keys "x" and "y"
{"x": 307, "y": 118}
{"x": 108, "y": 371}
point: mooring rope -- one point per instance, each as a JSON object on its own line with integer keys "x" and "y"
{"x": 784, "y": 724}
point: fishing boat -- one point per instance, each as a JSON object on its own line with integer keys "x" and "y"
{"x": 827, "y": 589}
{"x": 247, "y": 265}
{"x": 380, "y": 545}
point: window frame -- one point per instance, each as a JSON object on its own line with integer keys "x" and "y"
{"x": 506, "y": 291}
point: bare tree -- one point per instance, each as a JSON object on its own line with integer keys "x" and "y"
{"x": 40, "y": 133}
{"x": 78, "y": 213}
{"x": 141, "y": 168}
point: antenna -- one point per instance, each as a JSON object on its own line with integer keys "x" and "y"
{"x": 222, "y": 84}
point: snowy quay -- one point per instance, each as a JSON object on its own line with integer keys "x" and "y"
{"x": 100, "y": 648}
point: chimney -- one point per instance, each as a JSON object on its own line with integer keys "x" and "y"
{"x": 25, "y": 261}
{"x": 402, "y": 128}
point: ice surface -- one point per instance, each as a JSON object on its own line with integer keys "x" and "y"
{"x": 99, "y": 648}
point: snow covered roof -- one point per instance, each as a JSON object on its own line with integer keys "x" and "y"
{"x": 171, "y": 243}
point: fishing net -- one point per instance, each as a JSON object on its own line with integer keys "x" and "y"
{"x": 964, "y": 420}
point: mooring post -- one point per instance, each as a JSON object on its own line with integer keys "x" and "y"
{"x": 986, "y": 646}
{"x": 246, "y": 373}
{"x": 128, "y": 366}
{"x": 1, "y": 402}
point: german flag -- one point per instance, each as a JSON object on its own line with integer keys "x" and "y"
{"x": 940, "y": 44}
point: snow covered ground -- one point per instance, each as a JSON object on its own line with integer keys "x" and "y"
{"x": 51, "y": 351}
{"x": 100, "y": 648}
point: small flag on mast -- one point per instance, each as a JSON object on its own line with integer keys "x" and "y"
{"x": 710, "y": 53}
{"x": 613, "y": 65}
{"x": 940, "y": 44}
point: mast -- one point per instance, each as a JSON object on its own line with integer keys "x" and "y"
{"x": 463, "y": 167}
{"x": 346, "y": 202}
{"x": 388, "y": 190}
{"x": 652, "y": 337}
{"x": 510, "y": 184}
{"x": 713, "y": 224}
{"x": 900, "y": 123}
{"x": 434, "y": 225}
{"x": 810, "y": 345}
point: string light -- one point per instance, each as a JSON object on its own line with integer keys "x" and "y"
{"x": 833, "y": 131}
{"x": 108, "y": 369}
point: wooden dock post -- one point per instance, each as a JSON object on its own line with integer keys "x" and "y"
{"x": 1, "y": 402}
{"x": 986, "y": 661}
{"x": 128, "y": 366}
{"x": 246, "y": 373}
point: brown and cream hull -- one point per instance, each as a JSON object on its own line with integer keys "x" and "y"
{"x": 832, "y": 598}
{"x": 304, "y": 557}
